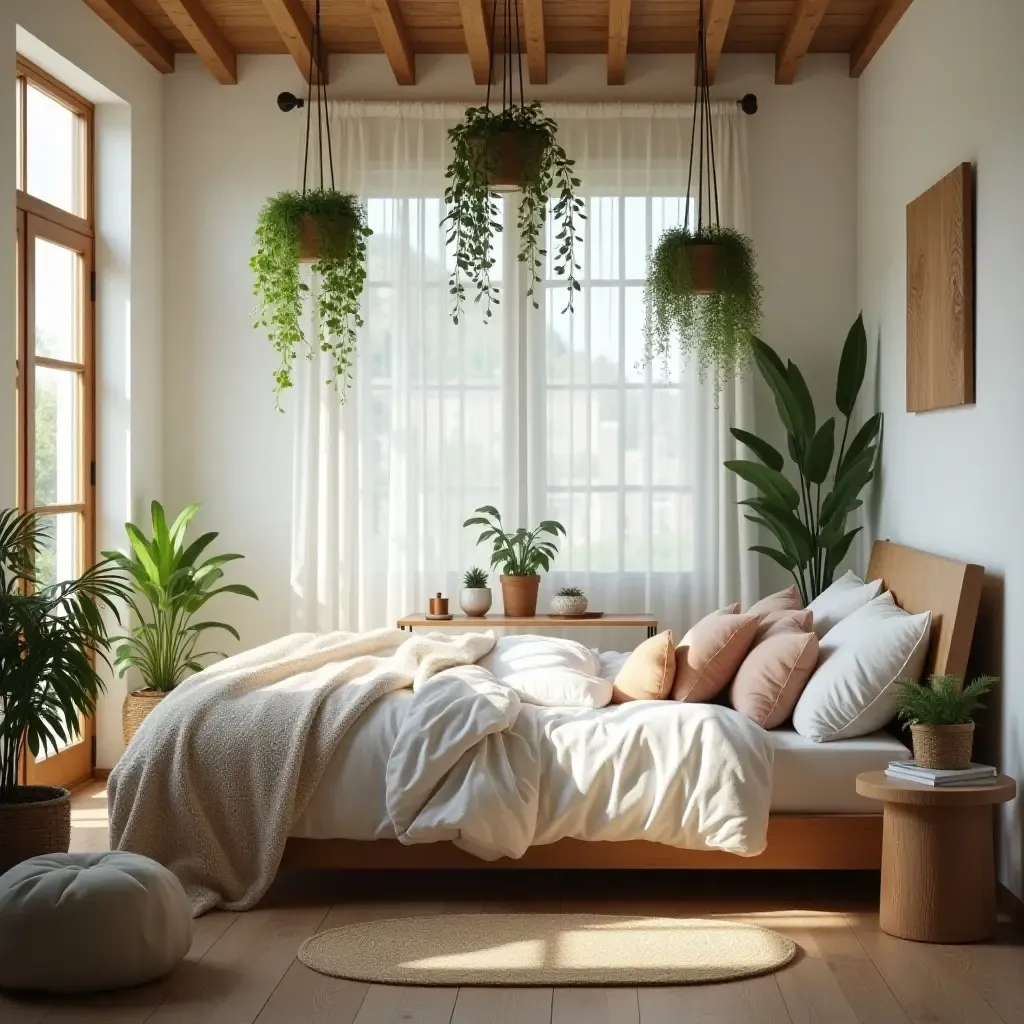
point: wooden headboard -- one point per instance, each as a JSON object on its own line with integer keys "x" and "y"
{"x": 950, "y": 590}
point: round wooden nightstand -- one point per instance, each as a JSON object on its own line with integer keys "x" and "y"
{"x": 938, "y": 865}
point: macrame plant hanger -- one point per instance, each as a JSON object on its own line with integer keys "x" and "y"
{"x": 506, "y": 156}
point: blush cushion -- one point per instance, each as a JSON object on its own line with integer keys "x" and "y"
{"x": 787, "y": 600}
{"x": 773, "y": 623}
{"x": 710, "y": 654}
{"x": 649, "y": 672}
{"x": 773, "y": 675}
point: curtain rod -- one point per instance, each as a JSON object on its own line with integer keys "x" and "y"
{"x": 287, "y": 101}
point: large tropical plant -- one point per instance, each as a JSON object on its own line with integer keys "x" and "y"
{"x": 49, "y": 639}
{"x": 170, "y": 586}
{"x": 518, "y": 552}
{"x": 809, "y": 520}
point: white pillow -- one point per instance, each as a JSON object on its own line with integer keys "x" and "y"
{"x": 853, "y": 691}
{"x": 560, "y": 688}
{"x": 528, "y": 652}
{"x": 841, "y": 598}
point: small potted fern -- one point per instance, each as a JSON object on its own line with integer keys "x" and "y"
{"x": 475, "y": 598}
{"x": 569, "y": 602}
{"x": 939, "y": 715}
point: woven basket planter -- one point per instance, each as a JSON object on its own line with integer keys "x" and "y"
{"x": 943, "y": 746}
{"x": 135, "y": 708}
{"x": 34, "y": 820}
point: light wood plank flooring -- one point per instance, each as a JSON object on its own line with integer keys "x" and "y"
{"x": 242, "y": 967}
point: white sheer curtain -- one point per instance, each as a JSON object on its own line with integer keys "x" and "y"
{"x": 540, "y": 413}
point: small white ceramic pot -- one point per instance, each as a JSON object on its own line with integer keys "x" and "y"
{"x": 475, "y": 601}
{"x": 561, "y": 605}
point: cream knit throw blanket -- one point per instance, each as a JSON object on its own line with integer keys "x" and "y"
{"x": 213, "y": 781}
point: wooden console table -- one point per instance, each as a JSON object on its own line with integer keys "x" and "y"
{"x": 419, "y": 621}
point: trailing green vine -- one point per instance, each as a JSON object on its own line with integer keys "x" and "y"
{"x": 280, "y": 289}
{"x": 473, "y": 216}
{"x": 715, "y": 328}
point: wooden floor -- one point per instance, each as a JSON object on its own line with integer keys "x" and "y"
{"x": 242, "y": 967}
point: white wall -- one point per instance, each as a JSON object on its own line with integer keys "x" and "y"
{"x": 948, "y": 86}
{"x": 68, "y": 40}
{"x": 228, "y": 148}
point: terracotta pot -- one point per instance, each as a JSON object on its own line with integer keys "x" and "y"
{"x": 512, "y": 154}
{"x": 475, "y": 601}
{"x": 519, "y": 595}
{"x": 33, "y": 820}
{"x": 703, "y": 268}
{"x": 136, "y": 708}
{"x": 309, "y": 238}
{"x": 943, "y": 746}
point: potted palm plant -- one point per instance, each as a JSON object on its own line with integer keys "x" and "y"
{"x": 49, "y": 637}
{"x": 475, "y": 599}
{"x": 940, "y": 717}
{"x": 170, "y": 585}
{"x": 519, "y": 554}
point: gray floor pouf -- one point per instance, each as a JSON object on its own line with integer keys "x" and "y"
{"x": 88, "y": 922}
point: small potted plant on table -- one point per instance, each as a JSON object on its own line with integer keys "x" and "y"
{"x": 519, "y": 554}
{"x": 475, "y": 599}
{"x": 569, "y": 602}
{"x": 939, "y": 715}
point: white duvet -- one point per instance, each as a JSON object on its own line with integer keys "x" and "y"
{"x": 465, "y": 760}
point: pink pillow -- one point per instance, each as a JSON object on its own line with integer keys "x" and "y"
{"x": 787, "y": 600}
{"x": 775, "y": 623}
{"x": 709, "y": 655}
{"x": 772, "y": 677}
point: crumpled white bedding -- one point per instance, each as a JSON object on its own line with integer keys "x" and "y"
{"x": 465, "y": 760}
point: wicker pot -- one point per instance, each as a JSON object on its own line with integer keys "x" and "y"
{"x": 570, "y": 607}
{"x": 475, "y": 601}
{"x": 519, "y": 595}
{"x": 135, "y": 708}
{"x": 34, "y": 820}
{"x": 512, "y": 155}
{"x": 943, "y": 746}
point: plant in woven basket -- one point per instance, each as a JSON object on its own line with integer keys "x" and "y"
{"x": 941, "y": 701}
{"x": 475, "y": 579}
{"x": 337, "y": 224}
{"x": 49, "y": 637}
{"x": 171, "y": 585}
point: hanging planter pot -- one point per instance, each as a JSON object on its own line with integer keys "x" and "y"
{"x": 512, "y": 155}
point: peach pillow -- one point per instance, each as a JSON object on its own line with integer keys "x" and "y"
{"x": 773, "y": 675}
{"x": 787, "y": 600}
{"x": 709, "y": 655}
{"x": 649, "y": 671}
{"x": 775, "y": 623}
{"x": 729, "y": 609}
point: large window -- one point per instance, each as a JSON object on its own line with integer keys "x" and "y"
{"x": 56, "y": 471}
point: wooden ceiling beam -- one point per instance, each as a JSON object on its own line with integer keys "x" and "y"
{"x": 618, "y": 40}
{"x": 536, "y": 45}
{"x": 474, "y": 26}
{"x": 394, "y": 38}
{"x": 203, "y": 34}
{"x": 296, "y": 32}
{"x": 717, "y": 15}
{"x": 805, "y": 21}
{"x": 133, "y": 27}
{"x": 885, "y": 19}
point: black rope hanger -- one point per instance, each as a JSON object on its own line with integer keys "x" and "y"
{"x": 702, "y": 133}
{"x": 323, "y": 121}
{"x": 510, "y": 66}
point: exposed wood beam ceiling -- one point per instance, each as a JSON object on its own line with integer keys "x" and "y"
{"x": 887, "y": 16}
{"x": 618, "y": 40}
{"x": 129, "y": 23}
{"x": 193, "y": 21}
{"x": 218, "y": 30}
{"x": 394, "y": 38}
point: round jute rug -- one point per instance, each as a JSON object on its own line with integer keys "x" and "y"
{"x": 546, "y": 949}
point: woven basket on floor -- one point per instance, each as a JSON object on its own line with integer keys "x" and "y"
{"x": 135, "y": 708}
{"x": 943, "y": 746}
{"x": 34, "y": 820}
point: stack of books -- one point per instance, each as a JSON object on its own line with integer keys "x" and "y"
{"x": 973, "y": 775}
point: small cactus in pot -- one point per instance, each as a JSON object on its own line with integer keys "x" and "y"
{"x": 475, "y": 598}
{"x": 569, "y": 601}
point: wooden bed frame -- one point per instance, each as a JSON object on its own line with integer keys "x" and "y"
{"x": 919, "y": 582}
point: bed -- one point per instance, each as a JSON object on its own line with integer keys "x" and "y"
{"x": 817, "y": 821}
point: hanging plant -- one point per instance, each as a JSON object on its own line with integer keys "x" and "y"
{"x": 702, "y": 283}
{"x": 327, "y": 229}
{"x": 494, "y": 151}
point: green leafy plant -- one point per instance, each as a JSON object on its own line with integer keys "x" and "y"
{"x": 941, "y": 701}
{"x": 475, "y": 579}
{"x": 570, "y": 592}
{"x": 170, "y": 585}
{"x": 340, "y": 266}
{"x": 715, "y": 327}
{"x": 48, "y": 639}
{"x": 517, "y": 552}
{"x": 473, "y": 214}
{"x": 810, "y": 529}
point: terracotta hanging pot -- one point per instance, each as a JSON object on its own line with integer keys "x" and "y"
{"x": 313, "y": 231}
{"x": 703, "y": 268}
{"x": 511, "y": 155}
